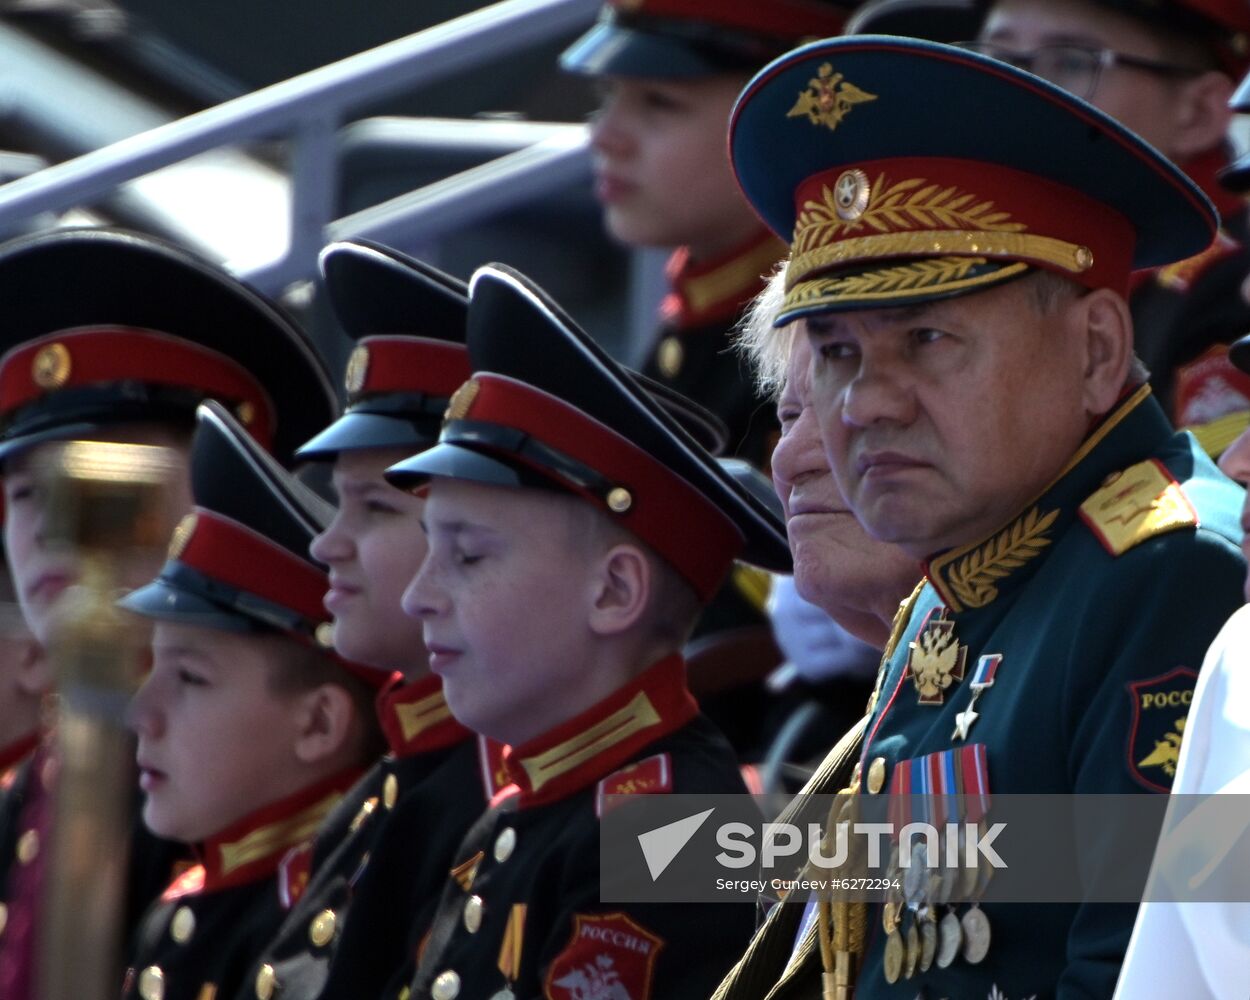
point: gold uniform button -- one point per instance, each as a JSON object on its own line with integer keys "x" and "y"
{"x": 473, "y": 914}
{"x": 876, "y": 775}
{"x": 505, "y": 844}
{"x": 321, "y": 930}
{"x": 152, "y": 983}
{"x": 266, "y": 982}
{"x": 28, "y": 846}
{"x": 446, "y": 986}
{"x": 670, "y": 357}
{"x": 183, "y": 925}
{"x": 390, "y": 791}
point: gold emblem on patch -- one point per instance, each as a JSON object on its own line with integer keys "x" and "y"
{"x": 935, "y": 660}
{"x": 182, "y": 535}
{"x": 1167, "y": 751}
{"x": 357, "y": 369}
{"x": 324, "y": 634}
{"x": 828, "y": 98}
{"x": 670, "y": 357}
{"x": 462, "y": 400}
{"x": 850, "y": 194}
{"x": 51, "y": 366}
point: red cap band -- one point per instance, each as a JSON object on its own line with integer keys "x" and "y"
{"x": 98, "y": 355}
{"x": 659, "y": 506}
{"x": 406, "y": 364}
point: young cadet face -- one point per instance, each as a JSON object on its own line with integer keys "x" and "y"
{"x": 503, "y": 596}
{"x": 42, "y": 570}
{"x": 662, "y": 171}
{"x": 1143, "y": 101}
{"x": 941, "y": 421}
{"x": 838, "y": 566}
{"x": 215, "y": 743}
{"x": 373, "y": 549}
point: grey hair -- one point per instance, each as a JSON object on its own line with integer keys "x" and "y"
{"x": 766, "y": 347}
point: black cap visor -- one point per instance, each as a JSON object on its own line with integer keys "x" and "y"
{"x": 361, "y": 431}
{"x": 613, "y": 49}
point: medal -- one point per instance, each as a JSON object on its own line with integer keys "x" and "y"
{"x": 928, "y": 941}
{"x": 892, "y": 964}
{"x": 913, "y": 952}
{"x": 976, "y": 931}
{"x": 936, "y": 659}
{"x": 890, "y": 916}
{"x": 916, "y": 878}
{"x": 950, "y": 939}
{"x": 982, "y": 678}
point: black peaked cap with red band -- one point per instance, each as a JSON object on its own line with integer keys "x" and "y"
{"x": 548, "y": 407}
{"x": 239, "y": 562}
{"x": 683, "y": 39}
{"x": 103, "y": 327}
{"x": 409, "y": 319}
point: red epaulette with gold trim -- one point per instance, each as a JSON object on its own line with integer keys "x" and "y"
{"x": 1180, "y": 277}
{"x": 650, "y": 776}
{"x": 294, "y": 873}
{"x": 1136, "y": 504}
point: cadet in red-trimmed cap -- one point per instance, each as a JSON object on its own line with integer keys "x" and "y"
{"x": 117, "y": 336}
{"x": 251, "y": 728}
{"x": 1164, "y": 69}
{"x": 669, "y": 71}
{"x": 380, "y": 860}
{"x": 574, "y": 533}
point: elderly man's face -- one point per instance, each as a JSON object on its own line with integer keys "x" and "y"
{"x": 837, "y": 565}
{"x": 941, "y": 421}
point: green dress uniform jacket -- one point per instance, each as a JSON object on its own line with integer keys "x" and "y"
{"x": 198, "y": 941}
{"x": 521, "y": 912}
{"x": 1101, "y": 598}
{"x": 379, "y": 863}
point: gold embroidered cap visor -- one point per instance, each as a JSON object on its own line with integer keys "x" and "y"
{"x": 903, "y": 171}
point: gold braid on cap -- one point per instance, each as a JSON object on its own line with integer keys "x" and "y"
{"x": 854, "y": 221}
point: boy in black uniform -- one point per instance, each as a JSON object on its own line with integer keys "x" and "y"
{"x": 250, "y": 727}
{"x": 114, "y": 335}
{"x": 574, "y": 533}
{"x": 380, "y": 860}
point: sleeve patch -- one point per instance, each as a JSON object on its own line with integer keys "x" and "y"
{"x": 1137, "y": 504}
{"x": 294, "y": 871}
{"x": 1212, "y": 398}
{"x": 608, "y": 956}
{"x": 649, "y": 776}
{"x": 1160, "y": 708}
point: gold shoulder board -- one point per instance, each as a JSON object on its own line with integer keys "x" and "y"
{"x": 1138, "y": 503}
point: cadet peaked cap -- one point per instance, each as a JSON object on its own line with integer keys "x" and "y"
{"x": 409, "y": 319}
{"x": 934, "y": 20}
{"x": 547, "y": 407}
{"x": 904, "y": 171}
{"x": 102, "y": 327}
{"x": 1236, "y": 177}
{"x": 239, "y": 561}
{"x": 692, "y": 38}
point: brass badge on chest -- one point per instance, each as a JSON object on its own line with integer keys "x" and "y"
{"x": 936, "y": 659}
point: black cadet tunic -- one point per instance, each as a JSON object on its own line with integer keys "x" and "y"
{"x": 521, "y": 910}
{"x": 199, "y": 940}
{"x": 379, "y": 863}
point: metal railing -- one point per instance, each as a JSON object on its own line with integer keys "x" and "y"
{"x": 309, "y": 108}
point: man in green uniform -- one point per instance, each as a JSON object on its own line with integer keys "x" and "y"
{"x": 963, "y": 290}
